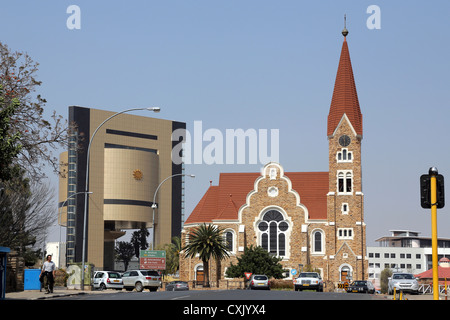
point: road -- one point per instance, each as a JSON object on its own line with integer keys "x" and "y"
{"x": 224, "y": 295}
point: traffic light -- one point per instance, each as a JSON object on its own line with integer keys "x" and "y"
{"x": 425, "y": 191}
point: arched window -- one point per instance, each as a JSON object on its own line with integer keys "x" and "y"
{"x": 345, "y": 181}
{"x": 344, "y": 155}
{"x": 273, "y": 229}
{"x": 229, "y": 240}
{"x": 317, "y": 241}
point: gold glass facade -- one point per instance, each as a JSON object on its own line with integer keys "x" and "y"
{"x": 129, "y": 156}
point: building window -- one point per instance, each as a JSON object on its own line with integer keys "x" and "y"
{"x": 344, "y": 155}
{"x": 345, "y": 208}
{"x": 345, "y": 233}
{"x": 229, "y": 240}
{"x": 345, "y": 182}
{"x": 317, "y": 241}
{"x": 273, "y": 230}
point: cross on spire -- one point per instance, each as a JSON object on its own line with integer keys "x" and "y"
{"x": 345, "y": 31}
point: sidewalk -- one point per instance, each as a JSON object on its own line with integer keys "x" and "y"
{"x": 57, "y": 292}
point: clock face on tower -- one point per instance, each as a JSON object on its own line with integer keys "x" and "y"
{"x": 344, "y": 140}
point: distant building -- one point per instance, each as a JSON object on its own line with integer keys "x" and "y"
{"x": 58, "y": 252}
{"x": 129, "y": 157}
{"x": 443, "y": 273}
{"x": 403, "y": 251}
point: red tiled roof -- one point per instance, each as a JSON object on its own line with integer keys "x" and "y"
{"x": 222, "y": 202}
{"x": 345, "y": 97}
{"x": 443, "y": 273}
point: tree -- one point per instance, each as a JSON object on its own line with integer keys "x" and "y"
{"x": 384, "y": 279}
{"x": 37, "y": 135}
{"x": 207, "y": 241}
{"x": 172, "y": 255}
{"x": 257, "y": 261}
{"x": 139, "y": 240}
{"x": 9, "y": 143}
{"x": 124, "y": 252}
{"x": 26, "y": 212}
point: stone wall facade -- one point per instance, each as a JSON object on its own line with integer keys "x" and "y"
{"x": 338, "y": 258}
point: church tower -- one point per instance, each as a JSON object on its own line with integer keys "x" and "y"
{"x": 345, "y": 213}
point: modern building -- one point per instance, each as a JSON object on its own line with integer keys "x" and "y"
{"x": 58, "y": 252}
{"x": 130, "y": 156}
{"x": 306, "y": 218}
{"x": 404, "y": 251}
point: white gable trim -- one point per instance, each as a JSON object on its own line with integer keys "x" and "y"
{"x": 344, "y": 116}
{"x": 264, "y": 173}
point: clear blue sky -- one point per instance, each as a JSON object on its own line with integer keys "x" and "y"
{"x": 264, "y": 65}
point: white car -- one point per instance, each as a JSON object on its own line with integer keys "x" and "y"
{"x": 141, "y": 279}
{"x": 405, "y": 282}
{"x": 308, "y": 281}
{"x": 107, "y": 280}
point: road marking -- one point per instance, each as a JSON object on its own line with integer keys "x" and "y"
{"x": 180, "y": 297}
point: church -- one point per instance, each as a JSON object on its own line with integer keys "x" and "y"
{"x": 313, "y": 219}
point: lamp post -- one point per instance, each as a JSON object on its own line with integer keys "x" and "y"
{"x": 154, "y": 109}
{"x": 154, "y": 205}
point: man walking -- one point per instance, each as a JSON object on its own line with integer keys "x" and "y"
{"x": 48, "y": 271}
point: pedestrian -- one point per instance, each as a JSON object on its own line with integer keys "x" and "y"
{"x": 48, "y": 271}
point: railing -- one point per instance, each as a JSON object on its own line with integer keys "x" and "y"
{"x": 428, "y": 289}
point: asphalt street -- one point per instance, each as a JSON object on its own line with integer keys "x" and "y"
{"x": 224, "y": 295}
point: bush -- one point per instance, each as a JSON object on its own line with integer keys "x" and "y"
{"x": 279, "y": 284}
{"x": 61, "y": 277}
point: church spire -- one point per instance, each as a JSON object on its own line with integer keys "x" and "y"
{"x": 345, "y": 97}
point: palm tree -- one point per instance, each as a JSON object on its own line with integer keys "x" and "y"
{"x": 172, "y": 255}
{"x": 207, "y": 241}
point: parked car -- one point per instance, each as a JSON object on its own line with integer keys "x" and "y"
{"x": 361, "y": 286}
{"x": 177, "y": 286}
{"x": 259, "y": 281}
{"x": 141, "y": 279}
{"x": 107, "y": 280}
{"x": 405, "y": 282}
{"x": 308, "y": 281}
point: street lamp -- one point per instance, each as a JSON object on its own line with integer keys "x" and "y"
{"x": 154, "y": 109}
{"x": 154, "y": 205}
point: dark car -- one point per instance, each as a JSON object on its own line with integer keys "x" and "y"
{"x": 361, "y": 286}
{"x": 177, "y": 286}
